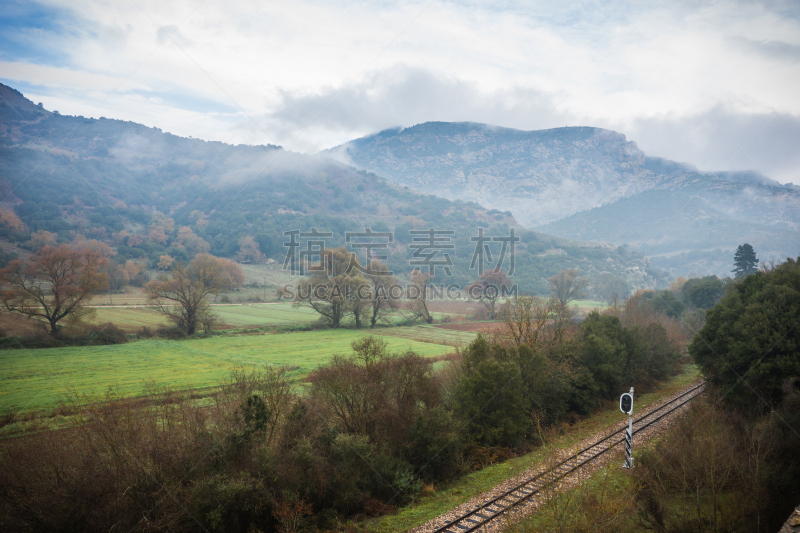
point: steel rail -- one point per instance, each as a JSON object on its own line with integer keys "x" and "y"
{"x": 519, "y": 494}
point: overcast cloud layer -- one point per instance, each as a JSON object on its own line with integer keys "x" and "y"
{"x": 715, "y": 84}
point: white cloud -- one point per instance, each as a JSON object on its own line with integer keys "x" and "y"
{"x": 640, "y": 69}
{"x": 66, "y": 78}
{"x": 723, "y": 139}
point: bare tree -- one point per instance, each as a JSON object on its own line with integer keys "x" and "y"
{"x": 272, "y": 385}
{"x": 381, "y": 284}
{"x": 181, "y": 293}
{"x": 417, "y": 294}
{"x": 53, "y": 284}
{"x": 488, "y": 288}
{"x": 568, "y": 285}
{"x": 336, "y": 291}
{"x": 535, "y": 322}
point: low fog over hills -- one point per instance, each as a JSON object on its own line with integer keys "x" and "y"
{"x": 591, "y": 183}
{"x": 107, "y": 179}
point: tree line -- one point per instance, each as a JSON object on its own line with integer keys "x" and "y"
{"x": 55, "y": 284}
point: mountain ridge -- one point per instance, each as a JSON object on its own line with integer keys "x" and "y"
{"x": 546, "y": 178}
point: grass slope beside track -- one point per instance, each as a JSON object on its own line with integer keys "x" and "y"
{"x": 38, "y": 379}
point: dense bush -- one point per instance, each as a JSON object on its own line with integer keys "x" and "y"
{"x": 750, "y": 341}
{"x": 703, "y": 293}
{"x": 617, "y": 356}
{"x": 490, "y": 397}
{"x": 721, "y": 471}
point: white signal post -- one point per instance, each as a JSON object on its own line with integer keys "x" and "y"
{"x": 626, "y": 406}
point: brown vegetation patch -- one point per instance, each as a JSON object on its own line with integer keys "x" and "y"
{"x": 481, "y": 327}
{"x": 13, "y": 325}
{"x": 452, "y": 356}
{"x": 453, "y": 307}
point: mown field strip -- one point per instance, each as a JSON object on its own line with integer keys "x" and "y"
{"x": 265, "y": 315}
{"x": 38, "y": 379}
{"x": 430, "y": 334}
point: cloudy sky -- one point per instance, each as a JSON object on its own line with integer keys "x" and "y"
{"x": 715, "y": 84}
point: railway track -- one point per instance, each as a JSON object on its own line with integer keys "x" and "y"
{"x": 520, "y": 494}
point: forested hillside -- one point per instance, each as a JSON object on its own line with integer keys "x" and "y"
{"x": 147, "y": 193}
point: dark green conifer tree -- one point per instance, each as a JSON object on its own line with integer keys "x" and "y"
{"x": 745, "y": 261}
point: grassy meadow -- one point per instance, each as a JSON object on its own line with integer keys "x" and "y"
{"x": 39, "y": 379}
{"x": 230, "y": 315}
{"x": 275, "y": 314}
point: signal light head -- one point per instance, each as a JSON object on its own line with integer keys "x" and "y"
{"x": 626, "y": 403}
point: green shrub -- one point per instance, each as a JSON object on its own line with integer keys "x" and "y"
{"x": 489, "y": 397}
{"x": 231, "y": 502}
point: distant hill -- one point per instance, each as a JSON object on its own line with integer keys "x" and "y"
{"x": 589, "y": 183}
{"x": 676, "y": 232}
{"x": 110, "y": 179}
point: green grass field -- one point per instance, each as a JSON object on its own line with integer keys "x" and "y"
{"x": 234, "y": 315}
{"x": 278, "y": 314}
{"x": 588, "y": 305}
{"x": 38, "y": 379}
{"x": 131, "y": 318}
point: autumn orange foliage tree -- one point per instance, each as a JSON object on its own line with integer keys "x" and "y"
{"x": 9, "y": 218}
{"x": 249, "y": 252}
{"x": 53, "y": 284}
{"x": 232, "y": 274}
{"x": 43, "y": 238}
